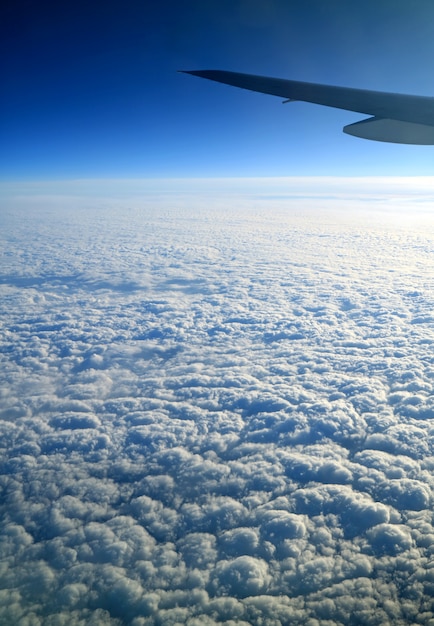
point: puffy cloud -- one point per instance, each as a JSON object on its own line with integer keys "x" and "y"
{"x": 198, "y": 550}
{"x": 278, "y": 525}
{"x": 389, "y": 539}
{"x": 239, "y": 541}
{"x": 241, "y": 577}
{"x": 211, "y": 416}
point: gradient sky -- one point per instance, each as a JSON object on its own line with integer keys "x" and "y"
{"x": 91, "y": 89}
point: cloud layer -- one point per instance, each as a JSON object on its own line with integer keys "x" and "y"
{"x": 216, "y": 416}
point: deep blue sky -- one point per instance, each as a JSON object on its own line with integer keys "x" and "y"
{"x": 90, "y": 89}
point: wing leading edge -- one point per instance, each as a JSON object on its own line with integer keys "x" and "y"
{"x": 395, "y": 118}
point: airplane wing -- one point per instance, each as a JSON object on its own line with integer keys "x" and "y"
{"x": 395, "y": 118}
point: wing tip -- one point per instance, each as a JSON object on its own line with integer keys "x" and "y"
{"x": 203, "y": 73}
{"x": 192, "y": 72}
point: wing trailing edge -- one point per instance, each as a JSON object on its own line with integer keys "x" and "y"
{"x": 396, "y": 118}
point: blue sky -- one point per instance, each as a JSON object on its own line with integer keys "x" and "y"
{"x": 92, "y": 89}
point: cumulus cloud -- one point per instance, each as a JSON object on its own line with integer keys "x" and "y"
{"x": 215, "y": 415}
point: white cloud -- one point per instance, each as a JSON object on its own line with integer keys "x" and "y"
{"x": 241, "y": 577}
{"x": 218, "y": 414}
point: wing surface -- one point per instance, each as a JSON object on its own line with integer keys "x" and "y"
{"x": 398, "y": 118}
